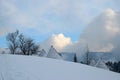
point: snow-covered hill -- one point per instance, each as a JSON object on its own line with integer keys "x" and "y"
{"x": 17, "y": 67}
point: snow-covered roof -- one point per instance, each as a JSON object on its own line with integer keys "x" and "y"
{"x": 98, "y": 59}
{"x": 67, "y": 56}
{"x": 52, "y": 53}
{"x": 42, "y": 53}
{"x": 98, "y": 55}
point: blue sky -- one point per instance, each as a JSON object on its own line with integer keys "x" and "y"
{"x": 40, "y": 19}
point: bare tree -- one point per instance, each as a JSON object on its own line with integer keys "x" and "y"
{"x": 22, "y": 43}
{"x": 17, "y": 41}
{"x": 13, "y": 42}
{"x": 27, "y": 45}
{"x": 87, "y": 56}
{"x": 34, "y": 49}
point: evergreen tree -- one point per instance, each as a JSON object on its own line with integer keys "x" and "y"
{"x": 114, "y": 66}
{"x": 75, "y": 58}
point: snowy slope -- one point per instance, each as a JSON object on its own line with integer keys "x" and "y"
{"x": 13, "y": 67}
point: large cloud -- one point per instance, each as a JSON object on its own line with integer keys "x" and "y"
{"x": 101, "y": 35}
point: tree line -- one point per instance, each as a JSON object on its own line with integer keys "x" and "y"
{"x": 20, "y": 44}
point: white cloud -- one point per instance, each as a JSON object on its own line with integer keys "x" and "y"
{"x": 101, "y": 33}
{"x": 7, "y": 8}
{"x": 13, "y": 14}
{"x": 59, "y": 41}
{"x": 109, "y": 13}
